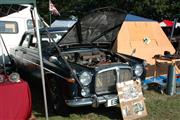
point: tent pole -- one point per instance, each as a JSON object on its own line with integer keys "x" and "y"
{"x": 172, "y": 31}
{"x": 41, "y": 61}
{"x": 50, "y": 18}
{"x": 3, "y": 56}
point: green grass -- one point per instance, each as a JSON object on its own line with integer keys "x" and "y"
{"x": 159, "y": 107}
{"x": 162, "y": 107}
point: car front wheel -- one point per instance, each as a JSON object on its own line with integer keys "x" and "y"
{"x": 56, "y": 102}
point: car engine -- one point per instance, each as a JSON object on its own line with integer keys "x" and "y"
{"x": 91, "y": 58}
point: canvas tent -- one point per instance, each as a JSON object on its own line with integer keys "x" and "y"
{"x": 143, "y": 36}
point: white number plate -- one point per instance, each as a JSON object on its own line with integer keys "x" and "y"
{"x": 112, "y": 102}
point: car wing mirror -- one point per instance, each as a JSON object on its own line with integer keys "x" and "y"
{"x": 53, "y": 59}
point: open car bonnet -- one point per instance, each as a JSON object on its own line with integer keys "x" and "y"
{"x": 99, "y": 27}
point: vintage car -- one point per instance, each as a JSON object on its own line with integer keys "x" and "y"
{"x": 80, "y": 67}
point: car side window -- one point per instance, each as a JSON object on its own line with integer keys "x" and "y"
{"x": 26, "y": 41}
{"x": 45, "y": 41}
{"x": 33, "y": 43}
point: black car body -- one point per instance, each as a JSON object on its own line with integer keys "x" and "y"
{"x": 80, "y": 68}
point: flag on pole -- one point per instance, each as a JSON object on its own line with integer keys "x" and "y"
{"x": 53, "y": 9}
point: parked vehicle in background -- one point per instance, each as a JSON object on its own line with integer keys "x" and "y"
{"x": 63, "y": 23}
{"x": 175, "y": 33}
{"x": 14, "y": 21}
{"x": 80, "y": 68}
{"x": 172, "y": 30}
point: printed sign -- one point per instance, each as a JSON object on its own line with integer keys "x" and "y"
{"x": 131, "y": 99}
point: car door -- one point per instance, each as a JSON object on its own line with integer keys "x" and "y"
{"x": 31, "y": 58}
{"x": 20, "y": 51}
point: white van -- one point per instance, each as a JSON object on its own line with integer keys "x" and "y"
{"x": 13, "y": 26}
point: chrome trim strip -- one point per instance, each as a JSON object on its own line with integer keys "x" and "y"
{"x": 89, "y": 101}
{"x": 112, "y": 68}
{"x": 44, "y": 68}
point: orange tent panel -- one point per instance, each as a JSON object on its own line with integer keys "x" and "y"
{"x": 146, "y": 38}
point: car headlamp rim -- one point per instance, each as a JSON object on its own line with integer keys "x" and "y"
{"x": 138, "y": 70}
{"x": 85, "y": 78}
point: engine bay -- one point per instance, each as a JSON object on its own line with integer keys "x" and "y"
{"x": 91, "y": 58}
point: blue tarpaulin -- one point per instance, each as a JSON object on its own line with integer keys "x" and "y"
{"x": 130, "y": 17}
{"x": 160, "y": 81}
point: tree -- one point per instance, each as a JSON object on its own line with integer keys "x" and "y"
{"x": 153, "y": 9}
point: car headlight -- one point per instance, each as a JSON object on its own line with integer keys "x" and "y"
{"x": 138, "y": 70}
{"x": 14, "y": 77}
{"x": 85, "y": 92}
{"x": 85, "y": 78}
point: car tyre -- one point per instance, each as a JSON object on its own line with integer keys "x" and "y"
{"x": 56, "y": 102}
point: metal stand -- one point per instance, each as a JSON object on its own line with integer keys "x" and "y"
{"x": 171, "y": 81}
{"x": 2, "y": 51}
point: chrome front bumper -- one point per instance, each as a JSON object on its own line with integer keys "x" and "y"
{"x": 94, "y": 101}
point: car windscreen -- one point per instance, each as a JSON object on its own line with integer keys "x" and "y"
{"x": 56, "y": 36}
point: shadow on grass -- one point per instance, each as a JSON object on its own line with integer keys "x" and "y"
{"x": 39, "y": 111}
{"x": 111, "y": 113}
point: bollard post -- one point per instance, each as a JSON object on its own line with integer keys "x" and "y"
{"x": 171, "y": 80}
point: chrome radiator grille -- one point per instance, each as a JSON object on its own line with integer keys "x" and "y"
{"x": 106, "y": 80}
{"x": 125, "y": 74}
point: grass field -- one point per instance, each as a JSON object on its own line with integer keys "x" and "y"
{"x": 159, "y": 107}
